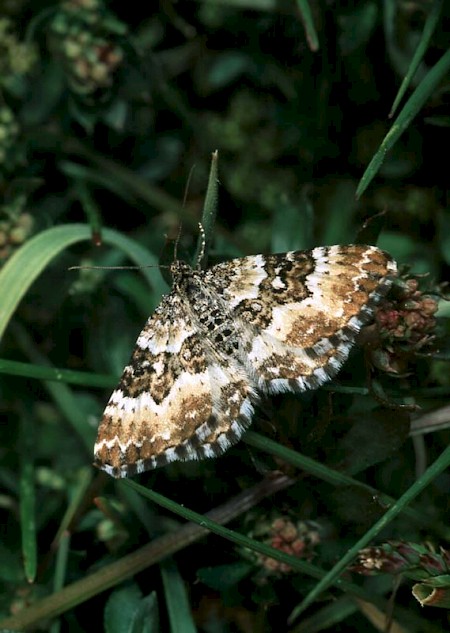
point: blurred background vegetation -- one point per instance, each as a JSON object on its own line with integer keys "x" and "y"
{"x": 108, "y": 118}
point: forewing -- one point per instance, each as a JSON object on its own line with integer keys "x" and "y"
{"x": 304, "y": 308}
{"x": 176, "y": 400}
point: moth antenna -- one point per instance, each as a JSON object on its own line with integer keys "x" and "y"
{"x": 117, "y": 267}
{"x": 188, "y": 184}
{"x": 177, "y": 241}
{"x": 107, "y": 267}
{"x": 186, "y": 191}
{"x": 202, "y": 245}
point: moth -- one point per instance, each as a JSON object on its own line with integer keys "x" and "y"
{"x": 227, "y": 336}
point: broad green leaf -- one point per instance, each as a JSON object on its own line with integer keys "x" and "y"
{"x": 146, "y": 619}
{"x": 121, "y": 609}
{"x": 373, "y": 436}
{"x": 29, "y": 261}
{"x": 223, "y": 577}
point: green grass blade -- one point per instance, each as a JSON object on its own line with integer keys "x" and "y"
{"x": 142, "y": 558}
{"x": 178, "y": 608}
{"x": 303, "y": 462}
{"x": 214, "y": 525}
{"x": 441, "y": 464}
{"x": 89, "y": 205}
{"x": 61, "y": 394}
{"x": 411, "y": 108}
{"x": 97, "y": 178}
{"x": 209, "y": 213}
{"x": 328, "y": 616}
{"x": 308, "y": 23}
{"x": 126, "y": 180}
{"x": 28, "y": 496}
{"x": 335, "y": 478}
{"x": 66, "y": 376}
{"x": 29, "y": 261}
{"x": 59, "y": 577}
{"x": 428, "y": 30}
{"x": 78, "y": 495}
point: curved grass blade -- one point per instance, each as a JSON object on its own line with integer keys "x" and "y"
{"x": 421, "y": 49}
{"x": 409, "y": 111}
{"x": 22, "y": 269}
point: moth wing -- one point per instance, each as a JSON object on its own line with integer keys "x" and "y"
{"x": 176, "y": 399}
{"x": 302, "y": 310}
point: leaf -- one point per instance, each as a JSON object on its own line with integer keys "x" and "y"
{"x": 180, "y": 614}
{"x": 292, "y": 224}
{"x": 11, "y": 567}
{"x": 226, "y": 68}
{"x": 357, "y": 26}
{"x": 29, "y": 261}
{"x": 146, "y": 618}
{"x": 429, "y": 596}
{"x": 128, "y": 612}
{"x": 373, "y": 437}
{"x": 223, "y": 577}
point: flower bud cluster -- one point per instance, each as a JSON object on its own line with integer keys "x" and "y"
{"x": 395, "y": 557}
{"x": 406, "y": 322}
{"x": 16, "y": 226}
{"x": 16, "y": 58}
{"x": 297, "y": 538}
{"x": 85, "y": 36}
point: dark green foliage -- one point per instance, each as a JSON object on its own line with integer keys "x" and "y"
{"x": 108, "y": 120}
